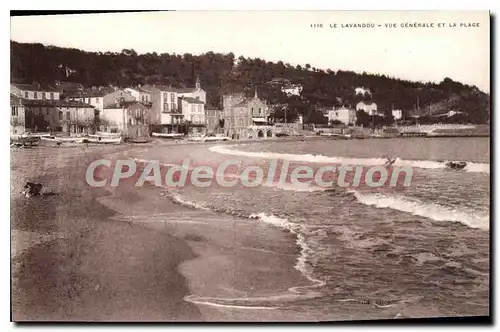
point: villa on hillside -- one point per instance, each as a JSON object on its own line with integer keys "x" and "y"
{"x": 362, "y": 91}
{"x": 369, "y": 107}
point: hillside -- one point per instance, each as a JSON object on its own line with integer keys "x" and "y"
{"x": 223, "y": 73}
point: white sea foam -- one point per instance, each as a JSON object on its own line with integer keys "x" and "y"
{"x": 177, "y": 198}
{"x": 471, "y": 218}
{"x": 318, "y": 158}
{"x": 305, "y": 250}
{"x": 478, "y": 167}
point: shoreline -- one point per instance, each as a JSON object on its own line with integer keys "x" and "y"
{"x": 77, "y": 255}
{"x": 88, "y": 267}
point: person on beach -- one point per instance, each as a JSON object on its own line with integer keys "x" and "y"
{"x": 390, "y": 161}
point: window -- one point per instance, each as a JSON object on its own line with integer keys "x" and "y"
{"x": 165, "y": 107}
{"x": 68, "y": 115}
{"x": 35, "y": 95}
{"x": 97, "y": 100}
{"x": 26, "y": 94}
{"x": 60, "y": 115}
{"x": 172, "y": 96}
{"x": 44, "y": 95}
{"x": 14, "y": 111}
{"x": 165, "y": 97}
{"x": 260, "y": 111}
{"x": 172, "y": 106}
{"x": 52, "y": 96}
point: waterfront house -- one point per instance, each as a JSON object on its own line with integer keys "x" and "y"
{"x": 140, "y": 94}
{"x": 130, "y": 118}
{"x": 245, "y": 117}
{"x": 343, "y": 114}
{"x": 214, "y": 121}
{"x": 193, "y": 111}
{"x": 17, "y": 116}
{"x": 39, "y": 109}
{"x": 165, "y": 115}
{"x": 34, "y": 92}
{"x": 197, "y": 92}
{"x": 58, "y": 116}
{"x": 101, "y": 98}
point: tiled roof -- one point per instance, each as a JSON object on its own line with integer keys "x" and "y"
{"x": 192, "y": 100}
{"x": 245, "y": 101}
{"x": 164, "y": 88}
{"x": 139, "y": 89}
{"x": 86, "y": 94}
{"x": 54, "y": 103}
{"x": 33, "y": 87}
{"x": 123, "y": 104}
{"x": 185, "y": 90}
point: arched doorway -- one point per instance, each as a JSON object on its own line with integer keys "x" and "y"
{"x": 260, "y": 134}
{"x": 269, "y": 133}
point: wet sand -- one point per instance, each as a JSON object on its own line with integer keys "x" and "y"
{"x": 71, "y": 262}
{"x": 130, "y": 254}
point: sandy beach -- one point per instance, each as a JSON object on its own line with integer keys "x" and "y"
{"x": 99, "y": 254}
{"x": 71, "y": 262}
{"x": 145, "y": 253}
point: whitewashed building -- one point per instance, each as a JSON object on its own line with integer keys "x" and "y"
{"x": 397, "y": 114}
{"x": 343, "y": 114}
{"x": 369, "y": 107}
{"x": 362, "y": 91}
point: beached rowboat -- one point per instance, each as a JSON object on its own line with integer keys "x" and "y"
{"x": 102, "y": 140}
{"x": 170, "y": 135}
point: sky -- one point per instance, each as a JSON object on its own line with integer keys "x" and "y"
{"x": 461, "y": 53}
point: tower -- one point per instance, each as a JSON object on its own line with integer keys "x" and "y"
{"x": 198, "y": 85}
{"x": 255, "y": 96}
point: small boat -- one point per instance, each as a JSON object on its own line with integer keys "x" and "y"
{"x": 216, "y": 138}
{"x": 170, "y": 135}
{"x": 49, "y": 140}
{"x": 139, "y": 140}
{"x": 70, "y": 139}
{"x": 26, "y": 141}
{"x": 196, "y": 138}
{"x": 456, "y": 164}
{"x": 102, "y": 140}
{"x": 106, "y": 134}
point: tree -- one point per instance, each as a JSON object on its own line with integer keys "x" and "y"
{"x": 284, "y": 114}
{"x": 336, "y": 122}
{"x": 362, "y": 118}
{"x": 221, "y": 74}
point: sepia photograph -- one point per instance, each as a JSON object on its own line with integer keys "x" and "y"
{"x": 250, "y": 166}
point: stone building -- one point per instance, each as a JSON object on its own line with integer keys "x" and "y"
{"x": 214, "y": 121}
{"x": 245, "y": 117}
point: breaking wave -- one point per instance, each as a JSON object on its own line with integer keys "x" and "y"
{"x": 471, "y": 218}
{"x": 318, "y": 158}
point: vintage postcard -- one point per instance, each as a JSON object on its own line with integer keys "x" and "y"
{"x": 250, "y": 166}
